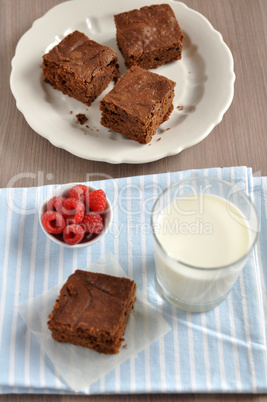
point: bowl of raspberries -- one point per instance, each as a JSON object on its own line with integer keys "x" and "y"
{"x": 76, "y": 215}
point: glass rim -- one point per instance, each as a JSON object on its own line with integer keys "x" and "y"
{"x": 201, "y": 268}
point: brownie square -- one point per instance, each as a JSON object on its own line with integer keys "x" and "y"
{"x": 92, "y": 311}
{"x": 138, "y": 104}
{"x": 80, "y": 67}
{"x": 149, "y": 37}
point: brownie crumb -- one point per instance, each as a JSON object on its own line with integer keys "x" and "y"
{"x": 180, "y": 107}
{"x": 159, "y": 139}
{"x": 81, "y": 118}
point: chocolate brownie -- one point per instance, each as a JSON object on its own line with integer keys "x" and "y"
{"x": 81, "y": 118}
{"x": 138, "y": 104}
{"x": 80, "y": 67}
{"x": 92, "y": 311}
{"x": 149, "y": 37}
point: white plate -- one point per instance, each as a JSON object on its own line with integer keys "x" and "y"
{"x": 204, "y": 77}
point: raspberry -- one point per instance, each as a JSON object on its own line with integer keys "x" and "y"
{"x": 93, "y": 222}
{"x": 73, "y": 210}
{"x": 73, "y": 234}
{"x": 55, "y": 203}
{"x": 96, "y": 200}
{"x": 53, "y": 222}
{"x": 79, "y": 191}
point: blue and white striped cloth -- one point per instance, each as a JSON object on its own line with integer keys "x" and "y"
{"x": 223, "y": 350}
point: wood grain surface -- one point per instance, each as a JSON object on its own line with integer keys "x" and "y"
{"x": 27, "y": 159}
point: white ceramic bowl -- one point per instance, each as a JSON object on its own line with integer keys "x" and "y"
{"x": 63, "y": 191}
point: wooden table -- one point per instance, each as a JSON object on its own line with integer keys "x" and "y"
{"x": 240, "y": 139}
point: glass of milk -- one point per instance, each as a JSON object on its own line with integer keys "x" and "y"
{"x": 204, "y": 230}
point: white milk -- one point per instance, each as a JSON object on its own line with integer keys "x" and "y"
{"x": 201, "y": 235}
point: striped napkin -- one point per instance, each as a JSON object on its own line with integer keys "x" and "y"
{"x": 223, "y": 350}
